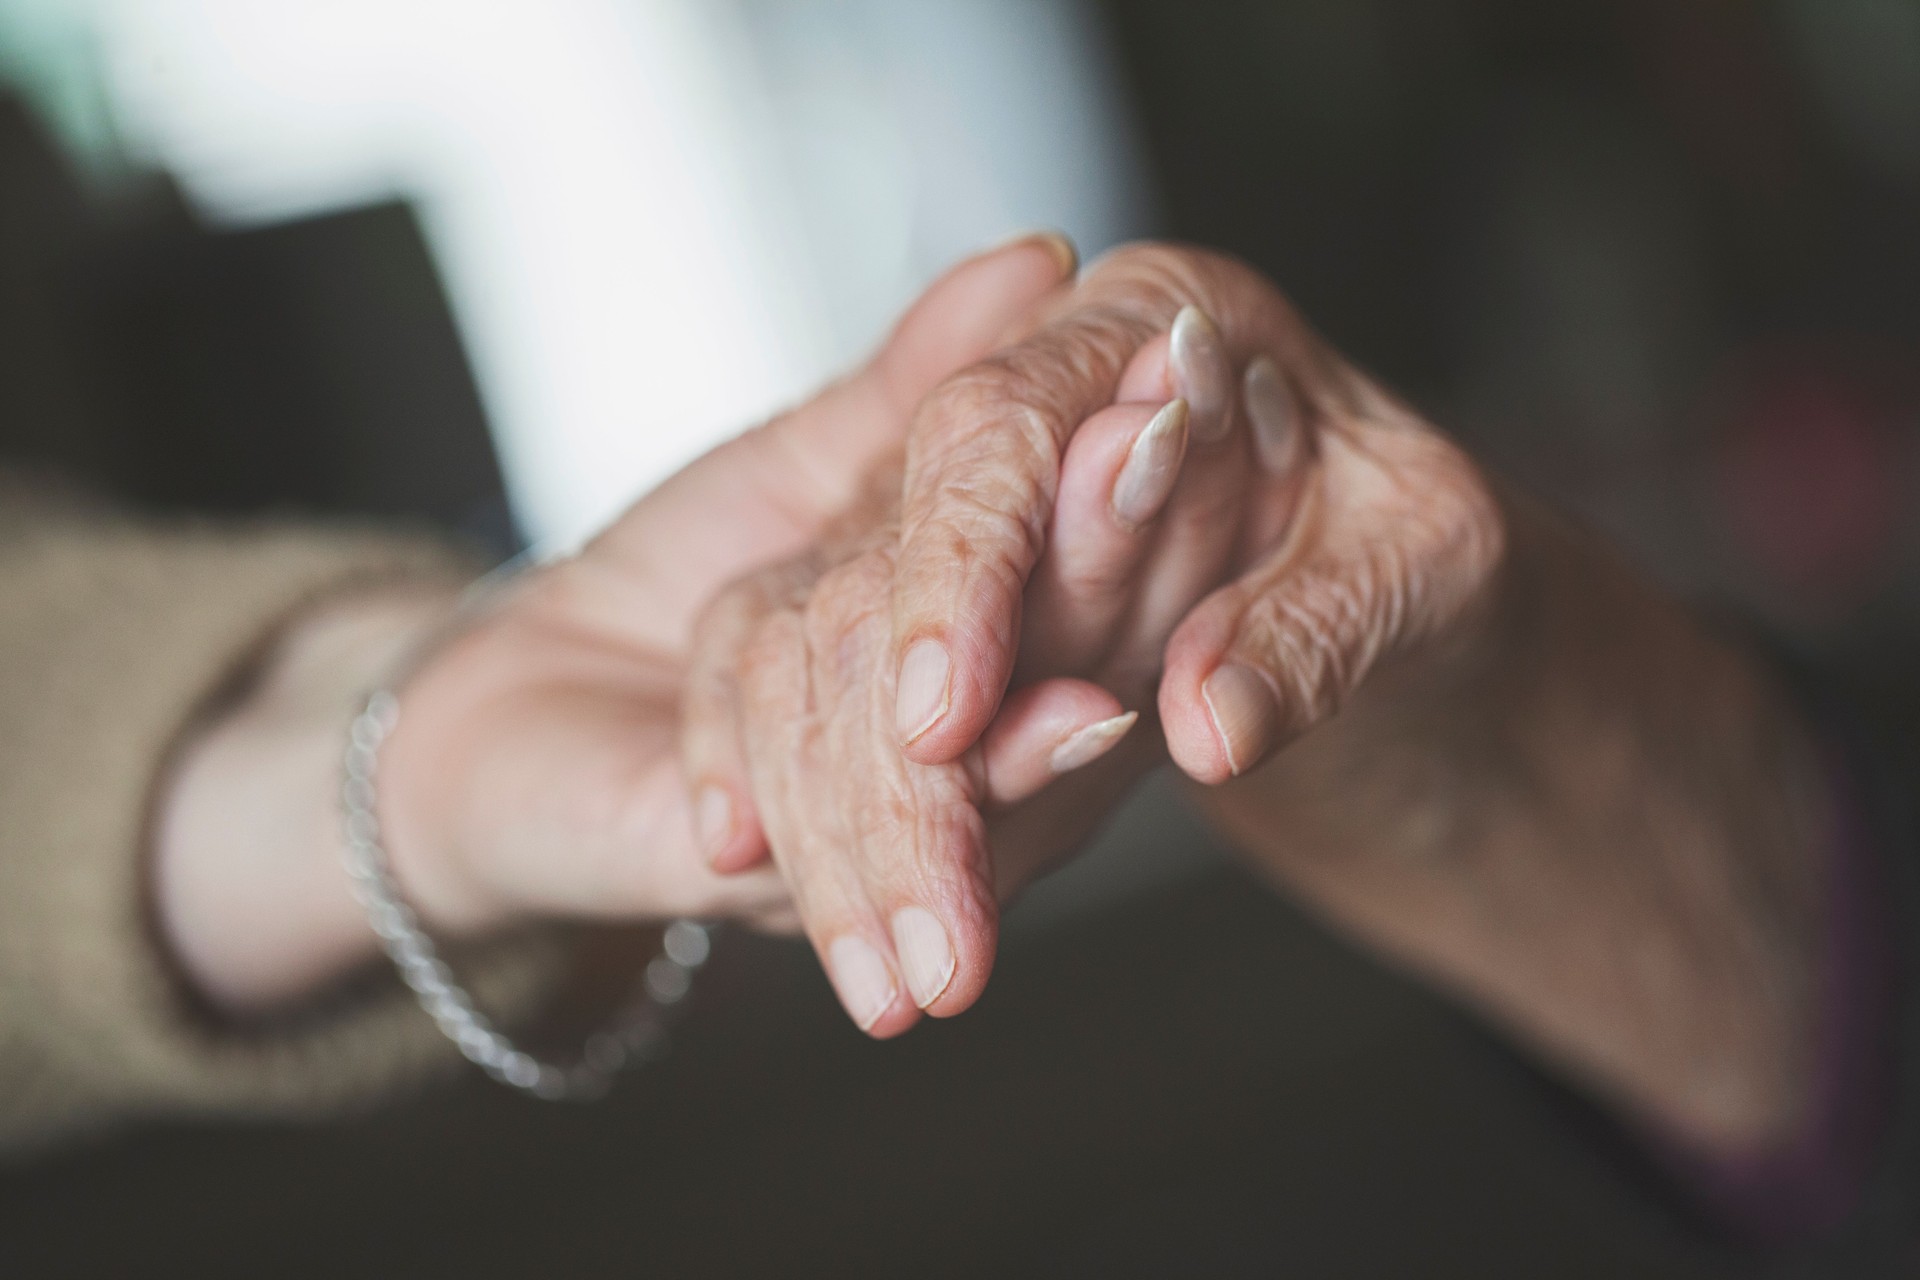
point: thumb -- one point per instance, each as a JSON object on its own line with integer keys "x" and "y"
{"x": 1393, "y": 544}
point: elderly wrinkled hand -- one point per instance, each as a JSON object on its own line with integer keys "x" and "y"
{"x": 534, "y": 773}
{"x": 1170, "y": 500}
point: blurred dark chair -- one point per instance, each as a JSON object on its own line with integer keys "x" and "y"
{"x": 310, "y": 366}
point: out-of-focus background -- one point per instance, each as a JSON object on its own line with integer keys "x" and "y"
{"x": 654, "y": 221}
{"x": 499, "y": 265}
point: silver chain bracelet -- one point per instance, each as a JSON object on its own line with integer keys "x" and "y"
{"x": 635, "y": 1035}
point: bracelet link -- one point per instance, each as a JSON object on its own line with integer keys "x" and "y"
{"x": 636, "y": 1034}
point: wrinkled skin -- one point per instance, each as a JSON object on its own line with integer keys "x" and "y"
{"x": 1449, "y": 722}
{"x": 534, "y": 772}
{"x": 1047, "y": 535}
{"x": 1345, "y": 533}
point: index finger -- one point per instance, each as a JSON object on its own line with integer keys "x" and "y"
{"x": 983, "y": 464}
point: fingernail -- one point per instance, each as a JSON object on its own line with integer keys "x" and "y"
{"x": 1243, "y": 713}
{"x": 1084, "y": 746}
{"x": 1063, "y": 250}
{"x": 1153, "y": 464}
{"x": 1270, "y": 408}
{"x": 924, "y": 689}
{"x": 1055, "y": 242}
{"x": 713, "y": 819}
{"x": 1201, "y": 372}
{"x": 862, "y": 978}
{"x": 920, "y": 940}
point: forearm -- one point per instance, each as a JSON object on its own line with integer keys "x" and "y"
{"x": 1597, "y": 823}
{"x": 247, "y": 880}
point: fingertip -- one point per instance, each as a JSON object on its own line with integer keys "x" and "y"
{"x": 1048, "y": 729}
{"x": 1191, "y": 741}
{"x": 923, "y": 690}
{"x": 1146, "y": 480}
{"x": 1273, "y": 411}
{"x": 942, "y": 706}
{"x": 727, "y": 830}
{"x": 926, "y": 954}
{"x": 1086, "y": 745}
{"x": 1202, "y": 373}
{"x": 916, "y": 936}
{"x": 1243, "y": 713}
{"x": 866, "y": 986}
{"x": 970, "y": 913}
{"x": 1118, "y": 471}
{"x": 1196, "y": 651}
{"x": 1056, "y": 243}
{"x": 944, "y": 938}
{"x": 961, "y": 991}
{"x": 738, "y": 857}
{"x": 1041, "y": 258}
{"x": 899, "y": 1018}
{"x": 1221, "y": 726}
{"x": 713, "y": 822}
{"x": 1024, "y": 267}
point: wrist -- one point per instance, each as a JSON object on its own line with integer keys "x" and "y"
{"x": 465, "y": 790}
{"x": 248, "y": 889}
{"x": 1630, "y": 802}
{"x": 1669, "y": 785}
{"x": 433, "y": 801}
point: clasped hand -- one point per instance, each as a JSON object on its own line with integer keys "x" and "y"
{"x": 871, "y": 668}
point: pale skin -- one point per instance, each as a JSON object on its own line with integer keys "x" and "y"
{"x": 1544, "y": 787}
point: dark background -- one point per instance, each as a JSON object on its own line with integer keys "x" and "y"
{"x": 1628, "y": 251}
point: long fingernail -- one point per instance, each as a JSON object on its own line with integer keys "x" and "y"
{"x": 862, "y": 978}
{"x": 1082, "y": 748}
{"x": 1201, "y": 372}
{"x": 1270, "y": 408}
{"x": 1153, "y": 464}
{"x": 1243, "y": 713}
{"x": 713, "y": 819}
{"x": 920, "y": 940}
{"x": 924, "y": 690}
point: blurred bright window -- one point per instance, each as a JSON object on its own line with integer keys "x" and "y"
{"x": 658, "y": 220}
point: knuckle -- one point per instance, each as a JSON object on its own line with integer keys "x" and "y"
{"x": 852, "y": 602}
{"x": 979, "y": 542}
{"x": 1060, "y": 369}
{"x": 1157, "y": 272}
{"x": 1322, "y": 632}
{"x": 945, "y": 839}
{"x": 979, "y": 581}
{"x": 985, "y": 518}
{"x": 1155, "y": 279}
{"x": 1453, "y": 532}
{"x": 1012, "y": 440}
{"x": 963, "y": 408}
{"x": 993, "y": 471}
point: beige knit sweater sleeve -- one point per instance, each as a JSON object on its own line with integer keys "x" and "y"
{"x": 113, "y": 634}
